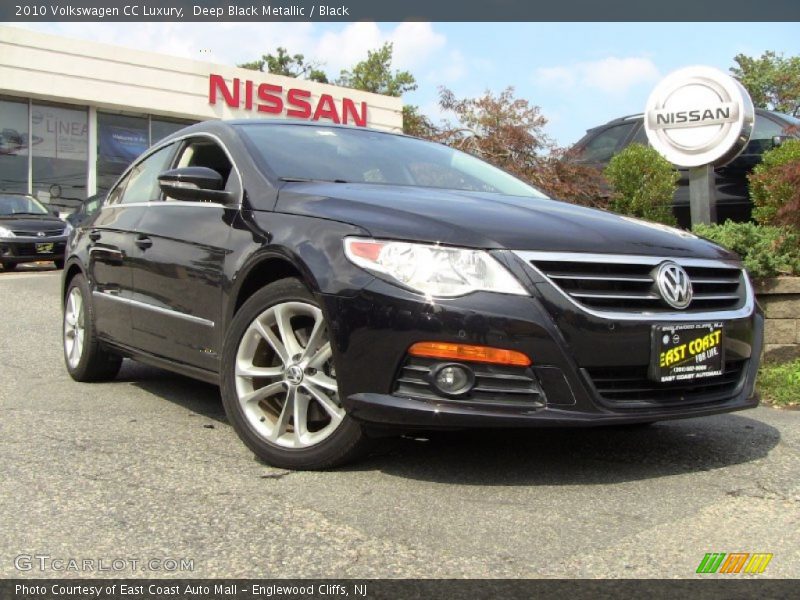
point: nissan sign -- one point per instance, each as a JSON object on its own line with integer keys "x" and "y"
{"x": 699, "y": 116}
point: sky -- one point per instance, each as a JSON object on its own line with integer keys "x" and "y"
{"x": 580, "y": 74}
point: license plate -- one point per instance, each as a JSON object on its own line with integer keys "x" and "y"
{"x": 45, "y": 248}
{"x": 687, "y": 351}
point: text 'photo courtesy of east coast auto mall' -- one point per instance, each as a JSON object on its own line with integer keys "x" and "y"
{"x": 441, "y": 300}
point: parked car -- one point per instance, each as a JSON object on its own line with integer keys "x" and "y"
{"x": 86, "y": 209}
{"x": 29, "y": 232}
{"x": 339, "y": 283}
{"x": 601, "y": 143}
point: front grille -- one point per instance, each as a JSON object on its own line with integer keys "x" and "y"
{"x": 630, "y": 387}
{"x": 620, "y": 284}
{"x": 494, "y": 384}
{"x": 33, "y": 234}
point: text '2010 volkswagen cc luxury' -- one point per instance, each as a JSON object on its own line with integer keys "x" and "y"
{"x": 337, "y": 282}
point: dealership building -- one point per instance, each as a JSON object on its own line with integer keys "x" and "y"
{"x": 74, "y": 114}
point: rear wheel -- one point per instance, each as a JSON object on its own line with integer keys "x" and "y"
{"x": 279, "y": 382}
{"x": 86, "y": 359}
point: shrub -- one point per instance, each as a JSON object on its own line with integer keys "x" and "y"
{"x": 780, "y": 384}
{"x": 766, "y": 251}
{"x": 643, "y": 183}
{"x": 775, "y": 186}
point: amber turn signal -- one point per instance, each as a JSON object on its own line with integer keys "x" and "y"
{"x": 465, "y": 352}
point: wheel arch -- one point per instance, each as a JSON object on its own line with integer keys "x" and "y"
{"x": 261, "y": 270}
{"x": 71, "y": 269}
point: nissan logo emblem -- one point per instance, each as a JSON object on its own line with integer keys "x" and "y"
{"x": 699, "y": 116}
{"x": 40, "y": 234}
{"x": 674, "y": 285}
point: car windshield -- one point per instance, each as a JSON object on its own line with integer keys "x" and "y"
{"x": 20, "y": 205}
{"x": 303, "y": 152}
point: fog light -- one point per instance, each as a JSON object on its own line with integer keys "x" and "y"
{"x": 453, "y": 380}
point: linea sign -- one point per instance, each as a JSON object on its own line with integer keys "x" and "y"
{"x": 699, "y": 116}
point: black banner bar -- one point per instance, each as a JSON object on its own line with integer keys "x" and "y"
{"x": 404, "y": 589}
{"x": 400, "y": 10}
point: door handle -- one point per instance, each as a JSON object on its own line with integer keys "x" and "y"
{"x": 144, "y": 242}
{"x": 95, "y": 235}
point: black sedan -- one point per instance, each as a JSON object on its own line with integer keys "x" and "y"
{"x": 340, "y": 283}
{"x": 29, "y": 232}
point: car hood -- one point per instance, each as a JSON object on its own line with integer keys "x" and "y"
{"x": 31, "y": 223}
{"x": 483, "y": 220}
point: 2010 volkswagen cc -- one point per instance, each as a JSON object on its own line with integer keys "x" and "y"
{"x": 338, "y": 281}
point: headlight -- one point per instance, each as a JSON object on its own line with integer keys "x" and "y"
{"x": 6, "y": 233}
{"x": 433, "y": 270}
{"x": 68, "y": 229}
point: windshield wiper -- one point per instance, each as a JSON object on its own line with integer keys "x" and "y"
{"x": 309, "y": 180}
{"x": 38, "y": 214}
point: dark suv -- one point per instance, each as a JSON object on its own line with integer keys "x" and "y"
{"x": 339, "y": 282}
{"x": 601, "y": 143}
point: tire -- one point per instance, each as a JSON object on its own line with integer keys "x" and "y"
{"x": 7, "y": 266}
{"x": 277, "y": 352}
{"x": 59, "y": 263}
{"x": 85, "y": 358}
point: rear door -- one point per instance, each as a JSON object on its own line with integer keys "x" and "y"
{"x": 180, "y": 255}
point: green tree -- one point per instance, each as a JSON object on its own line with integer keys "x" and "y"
{"x": 772, "y": 80}
{"x": 282, "y": 63}
{"x": 374, "y": 74}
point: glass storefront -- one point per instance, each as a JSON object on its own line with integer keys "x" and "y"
{"x": 60, "y": 151}
{"x": 13, "y": 146}
{"x": 120, "y": 139}
{"x": 57, "y": 169}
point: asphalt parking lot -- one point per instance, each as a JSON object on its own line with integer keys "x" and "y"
{"x": 146, "y": 467}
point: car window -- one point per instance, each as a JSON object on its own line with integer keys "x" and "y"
{"x": 20, "y": 205}
{"x": 640, "y": 137}
{"x": 203, "y": 152}
{"x": 316, "y": 153}
{"x": 142, "y": 181}
{"x": 766, "y": 129}
{"x": 602, "y": 147}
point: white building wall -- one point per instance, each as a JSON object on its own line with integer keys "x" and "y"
{"x": 58, "y": 69}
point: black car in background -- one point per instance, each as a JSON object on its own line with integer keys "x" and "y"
{"x": 29, "y": 232}
{"x": 339, "y": 283}
{"x": 601, "y": 143}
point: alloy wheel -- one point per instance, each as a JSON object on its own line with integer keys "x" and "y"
{"x": 74, "y": 328}
{"x": 285, "y": 379}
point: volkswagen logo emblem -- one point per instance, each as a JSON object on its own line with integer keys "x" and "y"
{"x": 40, "y": 234}
{"x": 674, "y": 285}
{"x": 294, "y": 375}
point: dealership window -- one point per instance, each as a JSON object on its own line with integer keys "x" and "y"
{"x": 120, "y": 139}
{"x": 161, "y": 128}
{"x": 13, "y": 146}
{"x": 60, "y": 148}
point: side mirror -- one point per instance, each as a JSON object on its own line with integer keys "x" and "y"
{"x": 53, "y": 211}
{"x": 777, "y": 140}
{"x": 194, "y": 183}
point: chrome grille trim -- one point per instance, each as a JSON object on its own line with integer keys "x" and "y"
{"x": 696, "y": 311}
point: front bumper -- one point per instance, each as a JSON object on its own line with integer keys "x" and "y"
{"x": 30, "y": 249}
{"x": 373, "y": 330}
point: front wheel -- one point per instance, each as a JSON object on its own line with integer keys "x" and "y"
{"x": 279, "y": 382}
{"x": 59, "y": 263}
{"x": 9, "y": 266}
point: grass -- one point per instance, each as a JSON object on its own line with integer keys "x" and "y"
{"x": 779, "y": 384}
